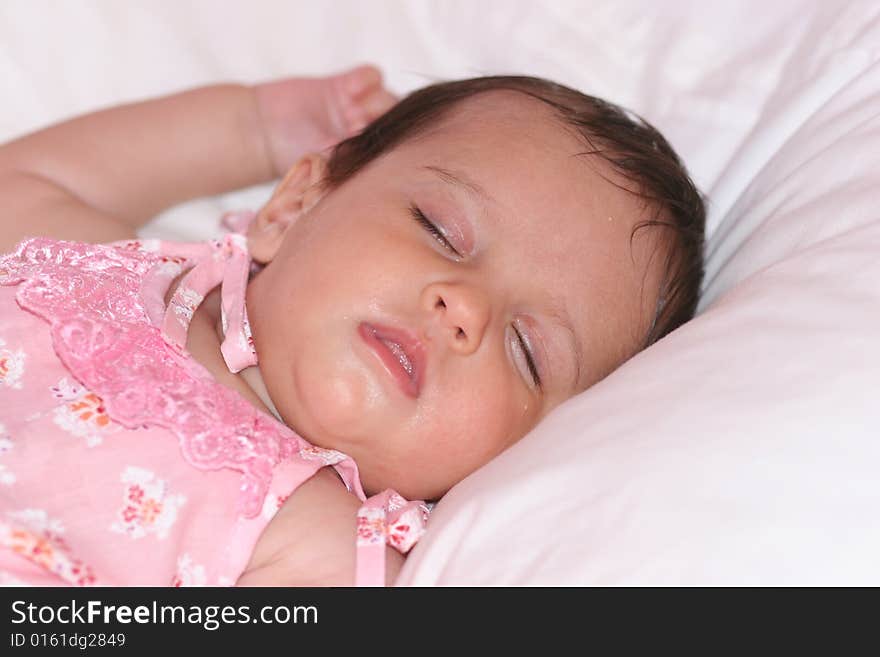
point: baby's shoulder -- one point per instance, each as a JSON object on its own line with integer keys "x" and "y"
{"x": 311, "y": 540}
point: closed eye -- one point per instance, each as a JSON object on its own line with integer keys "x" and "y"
{"x": 533, "y": 370}
{"x": 431, "y": 227}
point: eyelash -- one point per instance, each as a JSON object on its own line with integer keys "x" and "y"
{"x": 533, "y": 370}
{"x": 431, "y": 227}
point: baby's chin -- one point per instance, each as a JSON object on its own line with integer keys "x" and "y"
{"x": 337, "y": 411}
{"x": 341, "y": 414}
{"x": 349, "y": 410}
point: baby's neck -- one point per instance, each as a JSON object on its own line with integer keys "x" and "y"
{"x": 203, "y": 343}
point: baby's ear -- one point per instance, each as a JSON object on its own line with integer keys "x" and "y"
{"x": 293, "y": 197}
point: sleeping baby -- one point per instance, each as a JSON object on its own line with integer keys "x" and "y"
{"x": 429, "y": 279}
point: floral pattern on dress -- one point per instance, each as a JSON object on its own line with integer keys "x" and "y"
{"x": 11, "y": 366}
{"x": 370, "y": 526}
{"x": 271, "y": 505}
{"x": 7, "y": 478}
{"x": 188, "y": 573}
{"x": 147, "y": 505}
{"x": 389, "y": 518}
{"x": 170, "y": 267}
{"x": 399, "y": 536}
{"x": 82, "y": 414}
{"x": 148, "y": 245}
{"x": 35, "y": 536}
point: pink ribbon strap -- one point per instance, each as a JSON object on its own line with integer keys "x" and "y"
{"x": 238, "y": 345}
{"x": 385, "y": 519}
{"x": 224, "y": 262}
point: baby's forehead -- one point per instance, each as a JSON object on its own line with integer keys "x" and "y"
{"x": 529, "y": 165}
{"x": 536, "y": 177}
{"x": 502, "y": 109}
{"x": 509, "y": 131}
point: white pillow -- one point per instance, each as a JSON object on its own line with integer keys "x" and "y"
{"x": 742, "y": 448}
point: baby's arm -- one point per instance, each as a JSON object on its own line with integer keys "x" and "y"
{"x": 100, "y": 176}
{"x": 311, "y": 541}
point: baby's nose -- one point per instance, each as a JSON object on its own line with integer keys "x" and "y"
{"x": 461, "y": 313}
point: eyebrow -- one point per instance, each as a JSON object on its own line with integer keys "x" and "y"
{"x": 557, "y": 308}
{"x": 460, "y": 179}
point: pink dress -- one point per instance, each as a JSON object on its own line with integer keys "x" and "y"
{"x": 122, "y": 461}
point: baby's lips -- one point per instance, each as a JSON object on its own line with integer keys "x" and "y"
{"x": 412, "y": 346}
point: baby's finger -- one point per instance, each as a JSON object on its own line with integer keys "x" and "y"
{"x": 360, "y": 80}
{"x": 378, "y": 103}
{"x": 369, "y": 108}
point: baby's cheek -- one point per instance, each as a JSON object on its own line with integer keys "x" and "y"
{"x": 332, "y": 395}
{"x": 486, "y": 421}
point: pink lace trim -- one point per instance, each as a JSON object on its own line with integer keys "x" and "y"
{"x": 102, "y": 331}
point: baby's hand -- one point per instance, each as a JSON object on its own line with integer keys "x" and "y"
{"x": 302, "y": 115}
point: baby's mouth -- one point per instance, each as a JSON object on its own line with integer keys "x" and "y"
{"x": 400, "y": 352}
{"x": 401, "y": 356}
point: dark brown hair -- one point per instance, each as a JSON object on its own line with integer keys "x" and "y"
{"x": 633, "y": 147}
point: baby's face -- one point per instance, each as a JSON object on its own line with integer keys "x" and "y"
{"x": 536, "y": 264}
